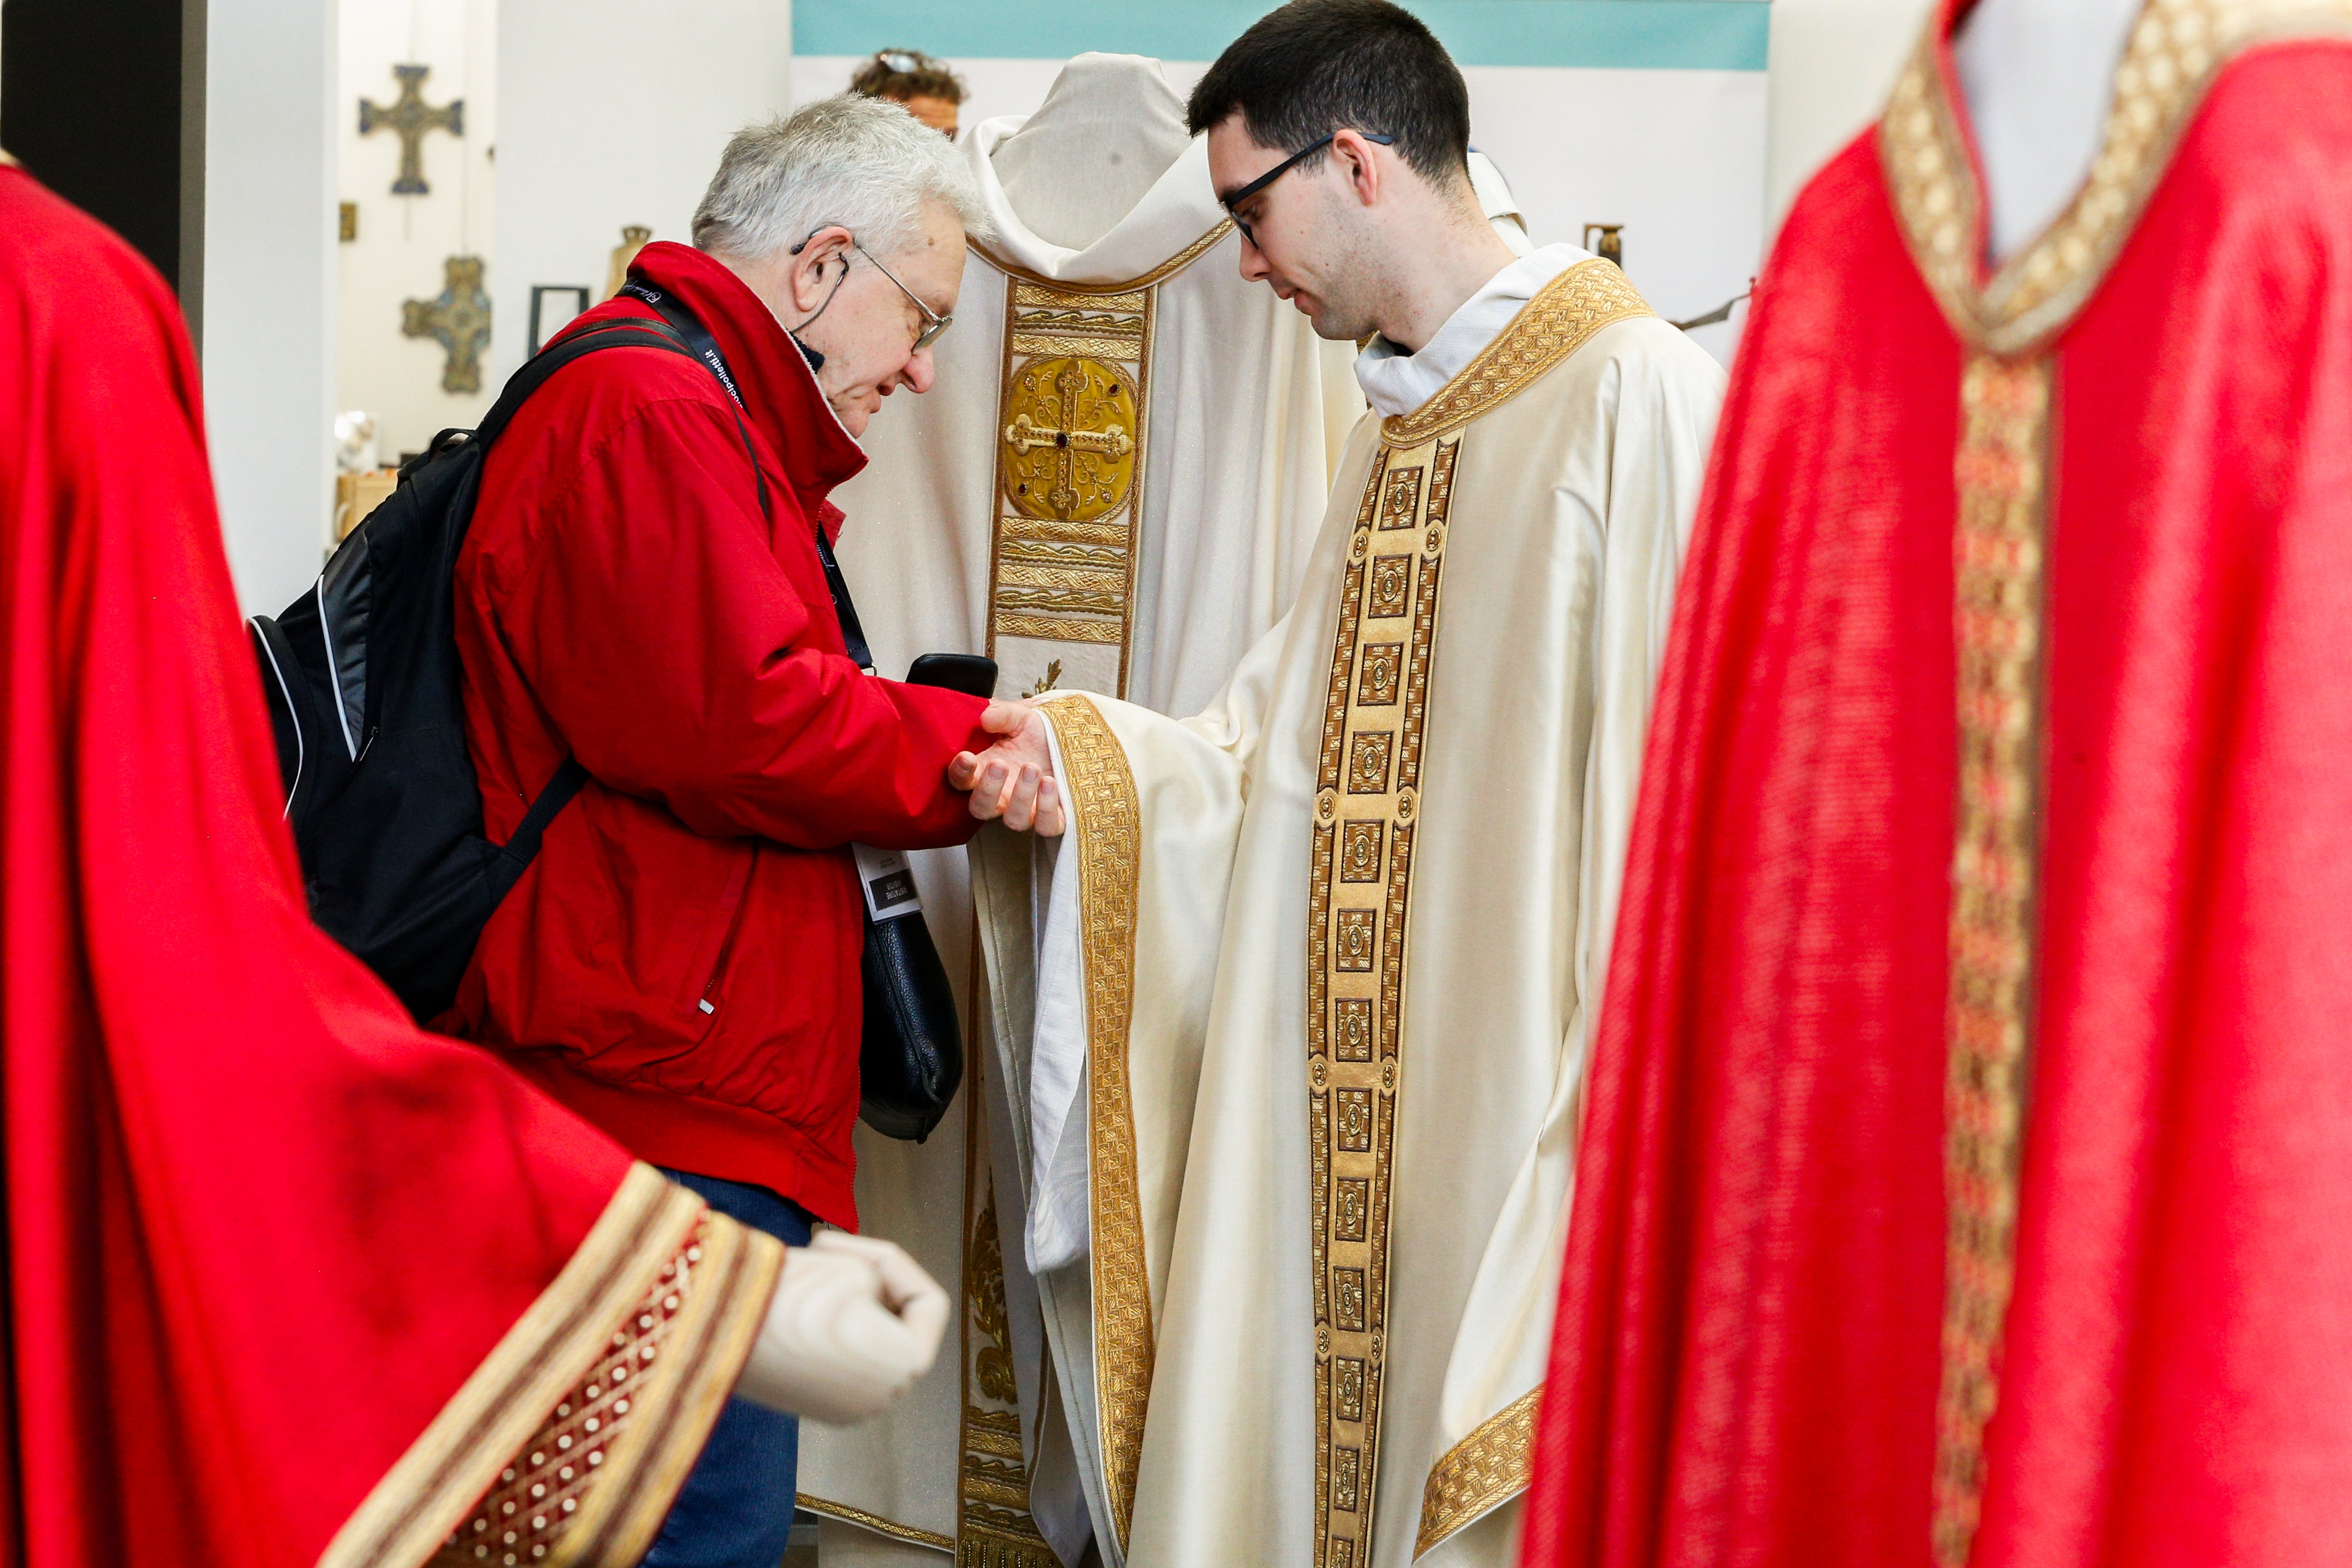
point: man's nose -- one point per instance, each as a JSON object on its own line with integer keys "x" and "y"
{"x": 1254, "y": 269}
{"x": 920, "y": 372}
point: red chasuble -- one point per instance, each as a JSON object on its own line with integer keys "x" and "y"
{"x": 286, "y": 1279}
{"x": 1967, "y": 1174}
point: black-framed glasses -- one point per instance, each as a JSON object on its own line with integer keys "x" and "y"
{"x": 1233, "y": 203}
{"x": 933, "y": 323}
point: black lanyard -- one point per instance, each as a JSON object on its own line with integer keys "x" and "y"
{"x": 698, "y": 339}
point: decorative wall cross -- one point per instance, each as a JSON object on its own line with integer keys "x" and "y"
{"x": 458, "y": 319}
{"x": 409, "y": 117}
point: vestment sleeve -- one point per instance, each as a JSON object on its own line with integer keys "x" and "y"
{"x": 677, "y": 659}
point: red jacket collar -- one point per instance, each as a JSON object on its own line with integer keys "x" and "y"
{"x": 783, "y": 400}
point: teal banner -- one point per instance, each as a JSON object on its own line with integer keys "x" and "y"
{"x": 1621, "y": 35}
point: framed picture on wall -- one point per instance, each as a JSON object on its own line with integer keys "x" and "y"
{"x": 552, "y": 306}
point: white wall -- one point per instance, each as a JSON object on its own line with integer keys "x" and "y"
{"x": 404, "y": 241}
{"x": 1677, "y": 156}
{"x": 610, "y": 114}
{"x": 269, "y": 287}
{"x": 1832, "y": 65}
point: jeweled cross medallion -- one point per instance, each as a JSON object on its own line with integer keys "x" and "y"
{"x": 1070, "y": 442}
{"x": 458, "y": 319}
{"x": 409, "y": 117}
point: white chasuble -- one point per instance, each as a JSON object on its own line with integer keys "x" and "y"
{"x": 1333, "y": 946}
{"x": 1114, "y": 483}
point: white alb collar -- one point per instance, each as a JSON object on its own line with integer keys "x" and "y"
{"x": 1396, "y": 383}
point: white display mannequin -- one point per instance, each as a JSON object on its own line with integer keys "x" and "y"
{"x": 1114, "y": 116}
{"x": 2038, "y": 76}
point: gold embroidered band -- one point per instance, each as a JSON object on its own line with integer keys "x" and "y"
{"x": 1996, "y": 624}
{"x": 1107, "y": 822}
{"x": 1073, "y": 409}
{"x": 994, "y": 1525}
{"x": 1358, "y": 895}
{"x": 875, "y": 1523}
{"x": 1564, "y": 313}
{"x": 2176, "y": 50}
{"x": 1481, "y": 1472}
{"x": 661, "y": 1291}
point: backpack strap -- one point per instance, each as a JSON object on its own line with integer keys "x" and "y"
{"x": 618, "y": 334}
{"x": 523, "y": 847}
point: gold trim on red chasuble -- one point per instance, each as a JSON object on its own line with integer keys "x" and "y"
{"x": 2010, "y": 321}
{"x": 569, "y": 1442}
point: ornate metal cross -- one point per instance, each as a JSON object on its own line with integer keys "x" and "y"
{"x": 409, "y": 117}
{"x": 458, "y": 319}
{"x": 1025, "y": 435}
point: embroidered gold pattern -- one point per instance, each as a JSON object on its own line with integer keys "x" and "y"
{"x": 527, "y": 1516}
{"x": 2005, "y": 413}
{"x": 994, "y": 1527}
{"x": 1107, "y": 819}
{"x": 1485, "y": 1470}
{"x": 875, "y": 1523}
{"x": 2176, "y": 50}
{"x": 660, "y": 1287}
{"x": 1356, "y": 978}
{"x": 1073, "y": 410}
{"x": 1550, "y": 327}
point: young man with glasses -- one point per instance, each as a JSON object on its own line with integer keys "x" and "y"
{"x": 644, "y": 590}
{"x": 1399, "y": 835}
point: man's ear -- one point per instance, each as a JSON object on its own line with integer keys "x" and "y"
{"x": 814, "y": 270}
{"x": 1359, "y": 164}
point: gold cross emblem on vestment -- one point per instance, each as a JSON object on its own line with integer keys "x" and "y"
{"x": 409, "y": 117}
{"x": 1069, "y": 443}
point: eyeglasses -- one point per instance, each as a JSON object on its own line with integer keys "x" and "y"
{"x": 905, "y": 62}
{"x": 1233, "y": 203}
{"x": 933, "y": 323}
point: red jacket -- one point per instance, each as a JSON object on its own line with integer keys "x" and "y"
{"x": 680, "y": 964}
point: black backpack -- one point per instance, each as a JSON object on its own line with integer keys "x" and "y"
{"x": 363, "y": 686}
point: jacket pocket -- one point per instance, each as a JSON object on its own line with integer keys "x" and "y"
{"x": 704, "y": 977}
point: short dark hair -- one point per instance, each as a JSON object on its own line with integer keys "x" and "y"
{"x": 902, "y": 74}
{"x": 1316, "y": 67}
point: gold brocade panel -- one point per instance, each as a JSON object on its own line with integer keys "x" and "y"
{"x": 1366, "y": 807}
{"x": 1074, "y": 411}
{"x": 1069, "y": 473}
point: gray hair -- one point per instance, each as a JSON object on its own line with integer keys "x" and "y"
{"x": 862, "y": 163}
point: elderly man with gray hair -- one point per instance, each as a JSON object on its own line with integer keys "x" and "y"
{"x": 647, "y": 592}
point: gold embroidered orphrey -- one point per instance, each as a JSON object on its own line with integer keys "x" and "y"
{"x": 1367, "y": 814}
{"x": 1108, "y": 819}
{"x": 993, "y": 1526}
{"x": 2010, "y": 320}
{"x": 1073, "y": 410}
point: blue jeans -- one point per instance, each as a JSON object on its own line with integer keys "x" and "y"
{"x": 736, "y": 1508}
